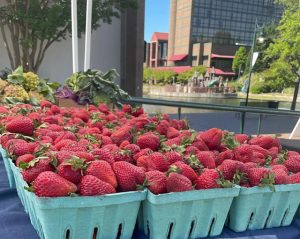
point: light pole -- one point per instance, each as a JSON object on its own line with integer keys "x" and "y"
{"x": 260, "y": 39}
{"x": 297, "y": 82}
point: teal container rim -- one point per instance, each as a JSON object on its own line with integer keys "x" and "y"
{"x": 278, "y": 188}
{"x": 193, "y": 195}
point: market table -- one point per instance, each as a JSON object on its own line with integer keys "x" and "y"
{"x": 15, "y": 223}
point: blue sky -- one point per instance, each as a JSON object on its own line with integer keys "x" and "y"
{"x": 157, "y": 14}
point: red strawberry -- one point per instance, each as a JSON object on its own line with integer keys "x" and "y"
{"x": 260, "y": 176}
{"x": 106, "y": 140}
{"x": 64, "y": 143}
{"x": 228, "y": 168}
{"x": 50, "y": 184}
{"x": 243, "y": 153}
{"x": 208, "y": 179}
{"x": 273, "y": 152}
{"x": 293, "y": 163}
{"x": 124, "y": 143}
{"x": 280, "y": 166}
{"x": 142, "y": 162}
{"x": 265, "y": 142}
{"x": 162, "y": 127}
{"x": 26, "y": 158}
{"x": 148, "y": 140}
{"x": 191, "y": 150}
{"x": 71, "y": 169}
{"x": 133, "y": 148}
{"x": 45, "y": 103}
{"x": 258, "y": 158}
{"x": 104, "y": 154}
{"x": 241, "y": 138}
{"x": 184, "y": 169}
{"x": 128, "y": 175}
{"x": 178, "y": 183}
{"x": 33, "y": 170}
{"x": 294, "y": 178}
{"x": 18, "y": 147}
{"x": 173, "y": 156}
{"x": 146, "y": 151}
{"x": 85, "y": 156}
{"x": 123, "y": 133}
{"x": 21, "y": 124}
{"x": 92, "y": 186}
{"x": 207, "y": 159}
{"x": 212, "y": 137}
{"x": 261, "y": 150}
{"x": 157, "y": 161}
{"x": 200, "y": 144}
{"x": 123, "y": 155}
{"x": 156, "y": 182}
{"x": 103, "y": 108}
{"x": 102, "y": 170}
{"x": 227, "y": 154}
{"x": 172, "y": 133}
{"x": 127, "y": 109}
{"x": 281, "y": 177}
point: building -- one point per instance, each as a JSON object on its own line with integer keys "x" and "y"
{"x": 119, "y": 45}
{"x": 204, "y": 32}
{"x": 157, "y": 50}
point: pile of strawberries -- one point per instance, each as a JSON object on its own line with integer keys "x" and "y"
{"x": 96, "y": 151}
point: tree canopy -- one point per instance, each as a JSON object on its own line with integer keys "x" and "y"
{"x": 30, "y": 27}
{"x": 240, "y": 59}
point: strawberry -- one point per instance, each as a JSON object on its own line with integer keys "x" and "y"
{"x": 133, "y": 148}
{"x": 273, "y": 152}
{"x": 243, "y": 153}
{"x": 178, "y": 183}
{"x": 102, "y": 170}
{"x": 26, "y": 158}
{"x": 64, "y": 143}
{"x": 260, "y": 177}
{"x": 45, "y": 103}
{"x": 85, "y": 156}
{"x": 106, "y": 140}
{"x": 281, "y": 177}
{"x": 191, "y": 150}
{"x": 207, "y": 159}
{"x": 103, "y": 108}
{"x": 142, "y": 162}
{"x": 148, "y": 140}
{"x": 261, "y": 150}
{"x": 127, "y": 109}
{"x": 21, "y": 125}
{"x": 71, "y": 169}
{"x": 265, "y": 142}
{"x": 64, "y": 155}
{"x": 156, "y": 182}
{"x": 258, "y": 158}
{"x": 128, "y": 175}
{"x": 241, "y": 138}
{"x": 294, "y": 178}
{"x": 124, "y": 143}
{"x": 92, "y": 186}
{"x": 104, "y": 154}
{"x": 280, "y": 166}
{"x": 50, "y": 184}
{"x": 212, "y": 137}
{"x": 227, "y": 154}
{"x": 162, "y": 127}
{"x": 33, "y": 169}
{"x": 200, "y": 144}
{"x": 18, "y": 147}
{"x": 228, "y": 168}
{"x": 122, "y": 155}
{"x": 157, "y": 161}
{"x": 173, "y": 156}
{"x": 208, "y": 179}
{"x": 293, "y": 163}
{"x": 184, "y": 169}
{"x": 123, "y": 133}
{"x": 172, "y": 133}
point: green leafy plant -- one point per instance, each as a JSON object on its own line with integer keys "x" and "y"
{"x": 94, "y": 86}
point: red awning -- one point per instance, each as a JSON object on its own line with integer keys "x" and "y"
{"x": 179, "y": 57}
{"x": 221, "y": 56}
{"x": 176, "y": 69}
{"x": 221, "y": 72}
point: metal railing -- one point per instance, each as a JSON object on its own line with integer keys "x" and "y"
{"x": 241, "y": 109}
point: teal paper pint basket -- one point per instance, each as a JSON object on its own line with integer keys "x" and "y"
{"x": 104, "y": 217}
{"x": 259, "y": 208}
{"x": 192, "y": 214}
{"x": 8, "y": 170}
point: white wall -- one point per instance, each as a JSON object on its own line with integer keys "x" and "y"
{"x": 57, "y": 64}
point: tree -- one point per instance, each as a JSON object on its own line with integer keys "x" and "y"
{"x": 185, "y": 76}
{"x": 286, "y": 48}
{"x": 30, "y": 27}
{"x": 240, "y": 59}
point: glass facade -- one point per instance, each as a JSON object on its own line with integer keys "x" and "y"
{"x": 230, "y": 21}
